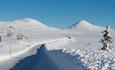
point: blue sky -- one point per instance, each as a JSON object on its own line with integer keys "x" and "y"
{"x": 60, "y": 13}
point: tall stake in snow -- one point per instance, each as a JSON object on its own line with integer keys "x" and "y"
{"x": 1, "y": 34}
{"x": 107, "y": 39}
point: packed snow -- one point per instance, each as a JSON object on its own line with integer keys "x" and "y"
{"x": 27, "y": 44}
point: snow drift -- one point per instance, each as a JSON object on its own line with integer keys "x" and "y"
{"x": 48, "y": 60}
{"x": 39, "y": 61}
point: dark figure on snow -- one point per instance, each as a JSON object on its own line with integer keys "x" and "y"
{"x": 107, "y": 41}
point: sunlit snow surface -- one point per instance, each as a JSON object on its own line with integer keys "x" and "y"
{"x": 74, "y": 48}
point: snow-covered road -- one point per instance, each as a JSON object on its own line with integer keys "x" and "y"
{"x": 17, "y": 54}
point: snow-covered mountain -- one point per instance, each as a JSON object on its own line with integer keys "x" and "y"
{"x": 84, "y": 25}
{"x": 27, "y": 23}
{"x": 28, "y": 27}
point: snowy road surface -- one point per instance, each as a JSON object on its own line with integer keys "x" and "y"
{"x": 17, "y": 54}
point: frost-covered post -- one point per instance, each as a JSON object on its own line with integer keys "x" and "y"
{"x": 0, "y": 38}
{"x": 1, "y": 34}
{"x": 107, "y": 39}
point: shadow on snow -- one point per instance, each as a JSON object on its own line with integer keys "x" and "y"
{"x": 48, "y": 60}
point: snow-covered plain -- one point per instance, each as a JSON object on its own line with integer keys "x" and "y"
{"x": 46, "y": 48}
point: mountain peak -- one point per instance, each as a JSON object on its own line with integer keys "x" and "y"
{"x": 80, "y": 23}
{"x": 84, "y": 25}
{"x": 29, "y": 22}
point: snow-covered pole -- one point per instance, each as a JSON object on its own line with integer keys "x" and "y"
{"x": 1, "y": 35}
{"x": 10, "y": 51}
